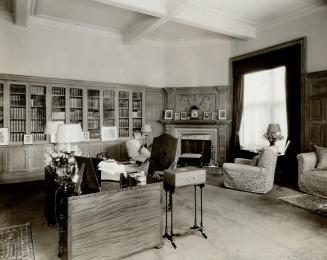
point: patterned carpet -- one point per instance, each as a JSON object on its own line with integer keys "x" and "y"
{"x": 309, "y": 202}
{"x": 16, "y": 243}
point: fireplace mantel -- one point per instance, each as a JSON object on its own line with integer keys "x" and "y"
{"x": 195, "y": 122}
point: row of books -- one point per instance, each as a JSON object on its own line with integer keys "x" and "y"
{"x": 37, "y": 90}
{"x": 38, "y": 137}
{"x": 37, "y": 125}
{"x": 76, "y": 102}
{"x": 137, "y": 104}
{"x": 93, "y": 93}
{"x": 123, "y": 103}
{"x": 137, "y": 113}
{"x": 137, "y": 122}
{"x": 93, "y": 103}
{"x": 109, "y": 114}
{"x": 137, "y": 95}
{"x": 123, "y": 113}
{"x": 59, "y": 91}
{"x": 109, "y": 122}
{"x": 16, "y": 137}
{"x": 58, "y": 115}
{"x": 38, "y": 113}
{"x": 18, "y": 112}
{"x": 17, "y": 126}
{"x": 93, "y": 115}
{"x": 17, "y": 100}
{"x": 123, "y": 123}
{"x": 17, "y": 88}
{"x": 76, "y": 115}
{"x": 123, "y": 132}
{"x": 94, "y": 134}
{"x": 58, "y": 101}
{"x": 38, "y": 101}
{"x": 93, "y": 124}
{"x": 108, "y": 103}
{"x": 76, "y": 92}
{"x": 123, "y": 94}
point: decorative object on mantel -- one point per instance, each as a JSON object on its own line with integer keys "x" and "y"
{"x": 168, "y": 114}
{"x": 273, "y": 134}
{"x": 177, "y": 116}
{"x": 222, "y": 114}
{"x": 206, "y": 115}
{"x": 183, "y": 115}
{"x": 194, "y": 111}
{"x": 214, "y": 115}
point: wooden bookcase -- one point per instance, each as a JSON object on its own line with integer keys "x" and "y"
{"x": 27, "y": 103}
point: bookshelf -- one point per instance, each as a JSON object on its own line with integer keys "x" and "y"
{"x": 137, "y": 106}
{"x": 93, "y": 113}
{"x": 58, "y": 104}
{"x": 108, "y": 108}
{"x": 38, "y": 112}
{"x": 123, "y": 102}
{"x": 17, "y": 125}
{"x": 76, "y": 106}
{"x": 1, "y": 105}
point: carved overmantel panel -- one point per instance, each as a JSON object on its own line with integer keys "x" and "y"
{"x": 208, "y": 99}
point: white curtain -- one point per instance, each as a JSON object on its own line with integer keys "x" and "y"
{"x": 264, "y": 103}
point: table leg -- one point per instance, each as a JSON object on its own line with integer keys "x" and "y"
{"x": 201, "y": 223}
{"x": 195, "y": 218}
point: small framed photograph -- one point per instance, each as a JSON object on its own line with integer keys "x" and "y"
{"x": 222, "y": 114}
{"x": 28, "y": 139}
{"x": 109, "y": 133}
{"x": 86, "y": 136}
{"x": 137, "y": 135}
{"x": 168, "y": 114}
{"x": 206, "y": 115}
{"x": 183, "y": 115}
{"x": 177, "y": 116}
{"x": 214, "y": 115}
{"x": 4, "y": 136}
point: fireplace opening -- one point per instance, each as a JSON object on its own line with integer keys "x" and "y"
{"x": 200, "y": 144}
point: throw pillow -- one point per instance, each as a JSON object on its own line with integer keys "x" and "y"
{"x": 322, "y": 157}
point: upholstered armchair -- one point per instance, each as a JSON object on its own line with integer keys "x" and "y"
{"x": 252, "y": 175}
{"x": 311, "y": 179}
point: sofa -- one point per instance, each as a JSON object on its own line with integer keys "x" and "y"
{"x": 255, "y": 175}
{"x": 312, "y": 178}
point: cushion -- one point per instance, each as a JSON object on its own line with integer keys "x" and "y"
{"x": 322, "y": 157}
{"x": 254, "y": 161}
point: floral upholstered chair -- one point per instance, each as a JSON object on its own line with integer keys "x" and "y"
{"x": 255, "y": 175}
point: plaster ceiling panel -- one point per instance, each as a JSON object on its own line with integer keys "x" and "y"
{"x": 89, "y": 12}
{"x": 173, "y": 31}
{"x": 257, "y": 11}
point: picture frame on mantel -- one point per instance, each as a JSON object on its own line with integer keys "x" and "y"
{"x": 206, "y": 115}
{"x": 177, "y": 116}
{"x": 168, "y": 114}
{"x": 222, "y": 114}
{"x": 183, "y": 115}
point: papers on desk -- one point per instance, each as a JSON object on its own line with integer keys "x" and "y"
{"x": 111, "y": 170}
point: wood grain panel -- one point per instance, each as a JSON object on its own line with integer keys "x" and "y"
{"x": 18, "y": 159}
{"x": 316, "y": 134}
{"x": 315, "y": 109}
{"x": 36, "y": 156}
{"x": 95, "y": 148}
{"x": 112, "y": 225}
{"x": 113, "y": 149}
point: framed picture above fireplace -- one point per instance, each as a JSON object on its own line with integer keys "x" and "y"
{"x": 222, "y": 114}
{"x": 168, "y": 114}
{"x": 183, "y": 115}
{"x": 206, "y": 115}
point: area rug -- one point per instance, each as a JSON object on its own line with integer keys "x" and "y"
{"x": 16, "y": 243}
{"x": 309, "y": 202}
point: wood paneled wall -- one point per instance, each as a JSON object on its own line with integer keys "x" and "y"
{"x": 314, "y": 104}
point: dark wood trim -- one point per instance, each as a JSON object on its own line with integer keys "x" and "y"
{"x": 195, "y": 122}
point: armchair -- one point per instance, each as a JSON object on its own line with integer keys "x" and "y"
{"x": 247, "y": 175}
{"x": 311, "y": 179}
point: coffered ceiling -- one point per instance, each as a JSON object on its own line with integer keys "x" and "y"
{"x": 162, "y": 20}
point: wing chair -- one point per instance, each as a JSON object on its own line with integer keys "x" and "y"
{"x": 252, "y": 175}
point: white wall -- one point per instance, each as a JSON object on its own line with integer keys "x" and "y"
{"x": 197, "y": 65}
{"x": 313, "y": 26}
{"x": 52, "y": 51}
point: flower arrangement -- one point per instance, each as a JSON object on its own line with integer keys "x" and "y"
{"x": 273, "y": 137}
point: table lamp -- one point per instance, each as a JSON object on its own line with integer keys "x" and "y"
{"x": 273, "y": 134}
{"x": 51, "y": 129}
{"x": 146, "y": 129}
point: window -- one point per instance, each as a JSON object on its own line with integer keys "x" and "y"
{"x": 264, "y": 103}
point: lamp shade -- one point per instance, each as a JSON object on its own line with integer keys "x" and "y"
{"x": 273, "y": 128}
{"x": 69, "y": 133}
{"x": 52, "y": 126}
{"x": 146, "y": 129}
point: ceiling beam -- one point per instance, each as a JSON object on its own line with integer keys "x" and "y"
{"x": 146, "y": 27}
{"x": 155, "y": 8}
{"x": 22, "y": 12}
{"x": 215, "y": 22}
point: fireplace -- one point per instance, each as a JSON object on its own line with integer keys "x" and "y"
{"x": 209, "y": 137}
